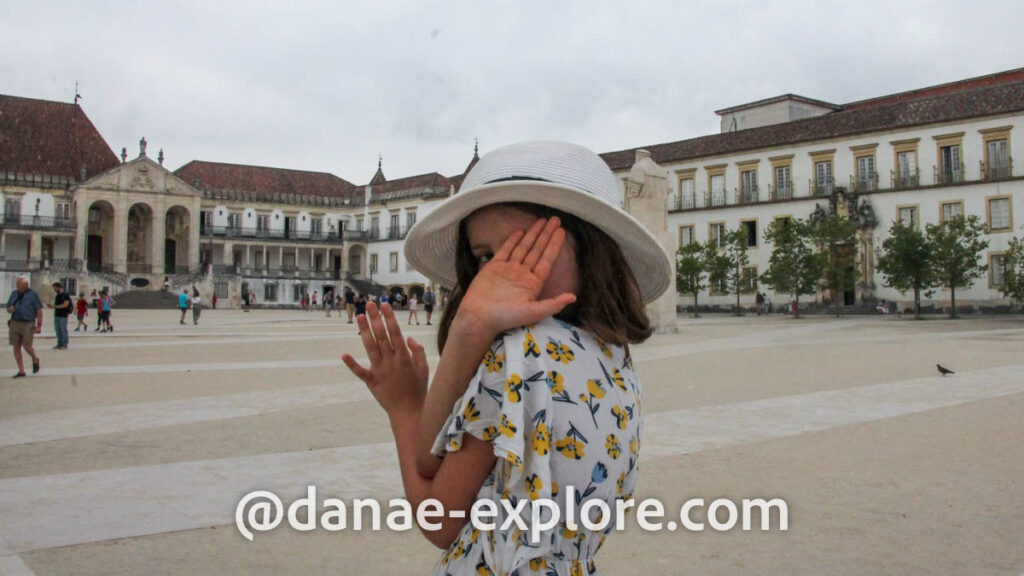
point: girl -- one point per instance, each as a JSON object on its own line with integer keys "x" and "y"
{"x": 81, "y": 311}
{"x": 534, "y": 396}
{"x": 413, "y": 314}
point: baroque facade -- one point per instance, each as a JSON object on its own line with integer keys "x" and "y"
{"x": 76, "y": 213}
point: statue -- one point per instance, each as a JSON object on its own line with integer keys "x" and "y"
{"x": 142, "y": 146}
{"x": 863, "y": 215}
{"x": 124, "y": 154}
{"x": 818, "y": 215}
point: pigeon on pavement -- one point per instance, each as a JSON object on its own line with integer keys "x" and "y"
{"x": 943, "y": 370}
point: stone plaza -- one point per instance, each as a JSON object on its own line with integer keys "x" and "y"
{"x": 128, "y": 453}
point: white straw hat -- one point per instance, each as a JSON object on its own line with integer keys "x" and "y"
{"x": 558, "y": 175}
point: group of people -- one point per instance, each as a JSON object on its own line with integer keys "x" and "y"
{"x": 185, "y": 302}
{"x": 26, "y": 320}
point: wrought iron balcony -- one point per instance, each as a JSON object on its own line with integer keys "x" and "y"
{"x": 714, "y": 198}
{"x": 905, "y": 179}
{"x": 823, "y": 188}
{"x": 861, "y": 185}
{"x": 25, "y": 221}
{"x": 687, "y": 201}
{"x": 276, "y": 235}
{"x": 748, "y": 195}
{"x": 997, "y": 170}
{"x": 390, "y": 234}
{"x": 946, "y": 175}
{"x": 784, "y": 192}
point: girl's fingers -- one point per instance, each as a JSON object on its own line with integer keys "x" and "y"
{"x": 535, "y": 253}
{"x": 552, "y": 306}
{"x": 380, "y": 334}
{"x": 394, "y": 330}
{"x": 528, "y": 241}
{"x": 419, "y": 359}
{"x": 506, "y": 249}
{"x": 362, "y": 373}
{"x": 547, "y": 259}
{"x": 372, "y": 348}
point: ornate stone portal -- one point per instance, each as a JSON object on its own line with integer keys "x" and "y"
{"x": 647, "y": 190}
{"x": 862, "y": 214}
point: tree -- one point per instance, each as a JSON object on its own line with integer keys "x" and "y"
{"x": 906, "y": 260}
{"x": 836, "y": 238}
{"x": 958, "y": 246}
{"x": 794, "y": 267}
{"x": 1013, "y": 272}
{"x": 732, "y": 259}
{"x": 692, "y": 266}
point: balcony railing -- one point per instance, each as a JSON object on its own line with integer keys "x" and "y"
{"x": 714, "y": 198}
{"x": 997, "y": 170}
{"x": 283, "y": 235}
{"x": 784, "y": 192}
{"x": 748, "y": 195}
{"x": 861, "y": 185}
{"x": 687, "y": 201}
{"x": 905, "y": 179}
{"x": 37, "y": 222}
{"x": 818, "y": 189}
{"x": 286, "y": 272}
{"x": 388, "y": 234}
{"x": 946, "y": 175}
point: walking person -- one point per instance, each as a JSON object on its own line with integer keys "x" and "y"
{"x": 61, "y": 310}
{"x": 81, "y": 311}
{"x": 183, "y": 304}
{"x": 96, "y": 306}
{"x": 26, "y": 310}
{"x": 413, "y": 314}
{"x": 245, "y": 300}
{"x": 428, "y": 303}
{"x": 350, "y": 303}
{"x": 197, "y": 307}
{"x": 106, "y": 305}
{"x": 759, "y": 301}
{"x": 328, "y": 302}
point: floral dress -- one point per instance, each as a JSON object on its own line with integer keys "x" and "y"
{"x": 562, "y": 409}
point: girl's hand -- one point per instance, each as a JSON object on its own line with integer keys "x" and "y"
{"x": 397, "y": 376}
{"x": 504, "y": 293}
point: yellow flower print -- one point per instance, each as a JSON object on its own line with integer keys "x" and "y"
{"x": 605, "y": 349}
{"x": 560, "y": 352}
{"x": 576, "y": 569}
{"x": 507, "y": 427}
{"x": 454, "y": 443}
{"x": 533, "y": 486}
{"x": 494, "y": 362}
{"x": 471, "y": 412}
{"x": 541, "y": 439}
{"x": 595, "y": 389}
{"x": 538, "y": 564}
{"x": 490, "y": 433}
{"x": 513, "y": 386}
{"x": 568, "y": 534}
{"x": 514, "y": 460}
{"x": 611, "y": 444}
{"x": 621, "y": 416}
{"x": 619, "y": 380}
{"x": 570, "y": 448}
{"x": 620, "y": 483}
{"x": 634, "y": 445}
{"x": 530, "y": 347}
{"x": 556, "y": 382}
{"x": 459, "y": 550}
{"x": 554, "y": 489}
{"x": 475, "y": 535}
{"x": 483, "y": 569}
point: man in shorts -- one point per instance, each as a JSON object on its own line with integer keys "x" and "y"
{"x": 183, "y": 304}
{"x": 350, "y": 303}
{"x": 26, "y": 310}
{"x": 428, "y": 303}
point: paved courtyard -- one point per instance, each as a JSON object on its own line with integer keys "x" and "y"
{"x": 128, "y": 453}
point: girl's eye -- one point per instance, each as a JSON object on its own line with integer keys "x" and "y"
{"x": 484, "y": 258}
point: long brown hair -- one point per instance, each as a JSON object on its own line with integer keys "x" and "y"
{"x": 609, "y": 303}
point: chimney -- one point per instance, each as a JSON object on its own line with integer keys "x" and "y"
{"x": 160, "y": 157}
{"x": 81, "y": 174}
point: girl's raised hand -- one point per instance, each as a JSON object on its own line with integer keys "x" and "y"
{"x": 504, "y": 294}
{"x": 398, "y": 372}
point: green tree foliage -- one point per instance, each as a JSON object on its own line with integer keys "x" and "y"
{"x": 733, "y": 258}
{"x": 1013, "y": 272}
{"x": 836, "y": 237}
{"x": 693, "y": 263}
{"x": 906, "y": 261}
{"x": 794, "y": 267}
{"x": 958, "y": 244}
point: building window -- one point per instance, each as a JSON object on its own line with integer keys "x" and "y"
{"x": 866, "y": 176}
{"x": 410, "y": 219}
{"x": 748, "y": 186}
{"x": 394, "y": 228}
{"x": 270, "y": 292}
{"x": 748, "y": 279}
{"x": 687, "y": 198}
{"x": 70, "y": 285}
{"x": 951, "y": 210}
{"x": 997, "y": 159}
{"x": 996, "y": 264}
{"x": 717, "y": 184}
{"x": 393, "y": 261}
{"x": 205, "y": 220}
{"x": 316, "y": 226}
{"x": 263, "y": 222}
{"x": 999, "y": 217}
{"x": 375, "y": 227}
{"x": 359, "y": 224}
{"x": 220, "y": 289}
{"x": 373, "y": 263}
{"x": 906, "y": 173}
{"x": 908, "y": 216}
{"x": 718, "y": 284}
{"x": 716, "y": 234}
{"x": 751, "y": 227}
{"x": 783, "y": 184}
{"x": 685, "y": 235}
{"x": 64, "y": 210}
{"x": 823, "y": 178}
{"x": 12, "y": 209}
{"x": 951, "y": 170}
{"x": 781, "y": 221}
{"x": 297, "y": 291}
{"x": 234, "y": 221}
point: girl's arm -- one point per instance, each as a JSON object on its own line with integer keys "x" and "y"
{"x": 397, "y": 377}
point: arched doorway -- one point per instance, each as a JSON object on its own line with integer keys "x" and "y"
{"x": 177, "y": 225}
{"x": 140, "y": 239}
{"x": 99, "y": 245}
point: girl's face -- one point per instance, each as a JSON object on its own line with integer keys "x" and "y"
{"x": 489, "y": 227}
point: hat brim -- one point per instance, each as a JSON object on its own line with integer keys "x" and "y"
{"x": 430, "y": 245}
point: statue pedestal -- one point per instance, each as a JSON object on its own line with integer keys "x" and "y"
{"x": 647, "y": 190}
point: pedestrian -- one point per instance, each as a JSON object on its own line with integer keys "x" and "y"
{"x": 81, "y": 311}
{"x": 26, "y": 310}
{"x": 61, "y": 310}
{"x": 314, "y": 299}
{"x": 360, "y": 304}
{"x": 183, "y": 304}
{"x": 96, "y": 306}
{"x": 571, "y": 272}
{"x": 245, "y": 300}
{"x": 197, "y": 307}
{"x": 350, "y": 303}
{"x": 213, "y": 301}
{"x": 759, "y": 301}
{"x": 167, "y": 284}
{"x": 328, "y": 302}
{"x": 106, "y": 304}
{"x": 428, "y": 303}
{"x": 412, "y": 310}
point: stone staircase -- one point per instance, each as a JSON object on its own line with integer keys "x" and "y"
{"x": 819, "y": 309}
{"x": 147, "y": 300}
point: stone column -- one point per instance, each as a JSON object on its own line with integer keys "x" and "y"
{"x": 35, "y": 248}
{"x": 647, "y": 189}
{"x": 120, "y": 238}
{"x": 158, "y": 232}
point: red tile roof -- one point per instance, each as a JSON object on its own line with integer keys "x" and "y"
{"x": 50, "y": 138}
{"x": 942, "y": 106}
{"x": 430, "y": 184}
{"x": 265, "y": 181}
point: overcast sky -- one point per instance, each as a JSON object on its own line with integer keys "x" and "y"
{"x": 328, "y": 85}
